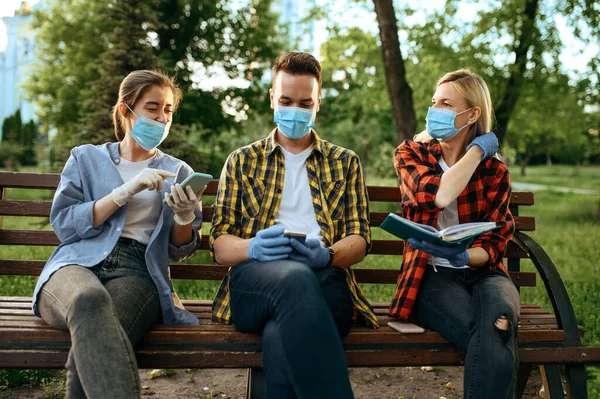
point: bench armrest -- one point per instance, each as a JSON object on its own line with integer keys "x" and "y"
{"x": 565, "y": 315}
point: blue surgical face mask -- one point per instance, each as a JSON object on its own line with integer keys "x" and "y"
{"x": 149, "y": 133}
{"x": 440, "y": 123}
{"x": 294, "y": 122}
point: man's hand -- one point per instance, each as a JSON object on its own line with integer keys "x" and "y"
{"x": 311, "y": 253}
{"x": 269, "y": 244}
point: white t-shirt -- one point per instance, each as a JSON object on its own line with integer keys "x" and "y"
{"x": 143, "y": 209}
{"x": 448, "y": 217}
{"x": 296, "y": 211}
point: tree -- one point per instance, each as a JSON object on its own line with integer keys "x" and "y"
{"x": 18, "y": 140}
{"x": 398, "y": 87}
{"x": 85, "y": 47}
{"x": 518, "y": 69}
{"x": 127, "y": 48}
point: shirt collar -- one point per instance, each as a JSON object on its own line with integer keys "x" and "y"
{"x": 319, "y": 144}
{"x": 113, "y": 150}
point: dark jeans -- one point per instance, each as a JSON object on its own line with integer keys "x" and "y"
{"x": 463, "y": 306}
{"x": 301, "y": 314}
{"x": 107, "y": 309}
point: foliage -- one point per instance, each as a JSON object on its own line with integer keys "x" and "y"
{"x": 86, "y": 47}
{"x": 18, "y": 141}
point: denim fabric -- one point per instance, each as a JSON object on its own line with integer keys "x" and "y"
{"x": 463, "y": 306}
{"x": 106, "y": 309}
{"x": 301, "y": 314}
{"x": 89, "y": 175}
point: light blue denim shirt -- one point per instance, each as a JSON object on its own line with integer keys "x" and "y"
{"x": 89, "y": 175}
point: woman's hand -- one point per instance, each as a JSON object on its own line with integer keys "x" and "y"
{"x": 456, "y": 255}
{"x": 151, "y": 179}
{"x": 487, "y": 142}
{"x": 183, "y": 202}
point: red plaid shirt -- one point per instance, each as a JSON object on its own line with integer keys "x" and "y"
{"x": 484, "y": 199}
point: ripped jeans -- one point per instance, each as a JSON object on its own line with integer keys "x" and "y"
{"x": 477, "y": 310}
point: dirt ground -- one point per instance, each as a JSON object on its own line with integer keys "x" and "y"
{"x": 367, "y": 383}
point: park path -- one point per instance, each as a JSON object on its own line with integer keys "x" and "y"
{"x": 516, "y": 186}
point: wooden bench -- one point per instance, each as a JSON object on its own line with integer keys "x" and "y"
{"x": 545, "y": 339}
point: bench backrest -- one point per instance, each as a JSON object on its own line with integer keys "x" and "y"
{"x": 388, "y": 196}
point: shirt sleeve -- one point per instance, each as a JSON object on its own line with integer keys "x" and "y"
{"x": 356, "y": 204}
{"x": 71, "y": 216}
{"x": 497, "y": 210}
{"x": 417, "y": 178}
{"x": 227, "y": 214}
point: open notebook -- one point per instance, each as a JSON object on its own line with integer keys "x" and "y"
{"x": 404, "y": 228}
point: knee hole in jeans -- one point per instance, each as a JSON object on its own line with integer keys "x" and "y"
{"x": 502, "y": 323}
{"x": 503, "y": 326}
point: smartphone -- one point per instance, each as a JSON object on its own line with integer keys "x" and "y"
{"x": 295, "y": 234}
{"x": 406, "y": 327}
{"x": 196, "y": 181}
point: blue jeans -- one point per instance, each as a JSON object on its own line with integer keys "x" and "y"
{"x": 302, "y": 315}
{"x": 464, "y": 306}
{"x": 107, "y": 309}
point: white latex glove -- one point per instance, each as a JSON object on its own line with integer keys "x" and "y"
{"x": 151, "y": 179}
{"x": 183, "y": 202}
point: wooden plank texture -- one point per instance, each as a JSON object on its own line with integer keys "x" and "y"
{"x": 42, "y": 208}
{"x": 217, "y": 272}
{"x": 376, "y": 193}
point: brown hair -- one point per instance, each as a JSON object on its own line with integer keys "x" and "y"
{"x": 133, "y": 87}
{"x": 298, "y": 63}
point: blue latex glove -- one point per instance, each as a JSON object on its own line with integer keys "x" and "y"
{"x": 487, "y": 142}
{"x": 269, "y": 244}
{"x": 456, "y": 255}
{"x": 310, "y": 253}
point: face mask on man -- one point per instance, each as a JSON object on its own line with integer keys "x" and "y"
{"x": 149, "y": 133}
{"x": 294, "y": 122}
{"x": 440, "y": 123}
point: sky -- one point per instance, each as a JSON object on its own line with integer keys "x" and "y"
{"x": 574, "y": 57}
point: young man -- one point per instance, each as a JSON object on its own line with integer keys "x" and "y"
{"x": 301, "y": 295}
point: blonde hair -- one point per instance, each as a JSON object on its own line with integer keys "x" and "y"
{"x": 473, "y": 89}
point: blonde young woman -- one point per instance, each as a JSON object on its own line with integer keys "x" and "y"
{"x": 448, "y": 175}
{"x": 108, "y": 282}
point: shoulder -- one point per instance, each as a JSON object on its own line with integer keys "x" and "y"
{"x": 253, "y": 150}
{"x": 410, "y": 151}
{"x": 336, "y": 152}
{"x": 89, "y": 149}
{"x": 417, "y": 147}
{"x": 495, "y": 167}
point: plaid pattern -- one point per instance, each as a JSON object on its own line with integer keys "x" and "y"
{"x": 249, "y": 195}
{"x": 485, "y": 199}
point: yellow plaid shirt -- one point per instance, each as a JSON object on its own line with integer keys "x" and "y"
{"x": 249, "y": 195}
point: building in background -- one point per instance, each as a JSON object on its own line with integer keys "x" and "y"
{"x": 16, "y": 60}
{"x": 293, "y": 14}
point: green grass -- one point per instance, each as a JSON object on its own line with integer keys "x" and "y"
{"x": 565, "y": 227}
{"x": 585, "y": 177}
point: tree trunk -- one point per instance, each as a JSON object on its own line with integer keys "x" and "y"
{"x": 524, "y": 164}
{"x": 548, "y": 158}
{"x": 514, "y": 86}
{"x": 398, "y": 88}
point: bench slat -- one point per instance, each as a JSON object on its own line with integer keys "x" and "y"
{"x": 42, "y": 208}
{"x": 217, "y": 272}
{"x": 376, "y": 193}
{"x": 149, "y": 359}
{"x": 48, "y": 238}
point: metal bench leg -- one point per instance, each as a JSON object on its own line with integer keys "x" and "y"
{"x": 522, "y": 378}
{"x": 577, "y": 381}
{"x": 552, "y": 382}
{"x": 256, "y": 383}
